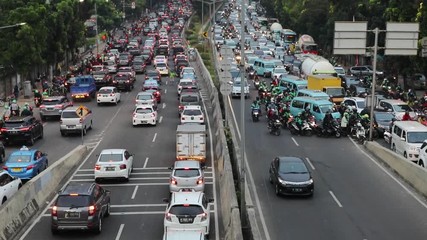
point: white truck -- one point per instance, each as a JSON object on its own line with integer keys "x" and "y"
{"x": 191, "y": 142}
{"x": 314, "y": 64}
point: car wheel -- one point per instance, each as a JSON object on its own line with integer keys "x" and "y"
{"x": 394, "y": 148}
{"x": 41, "y": 134}
{"x": 107, "y": 212}
{"x": 19, "y": 186}
{"x": 405, "y": 155}
{"x": 31, "y": 140}
{"x": 270, "y": 179}
{"x": 276, "y": 189}
{"x": 421, "y": 163}
{"x": 3, "y": 200}
{"x": 46, "y": 165}
{"x": 90, "y": 127}
{"x": 99, "y": 227}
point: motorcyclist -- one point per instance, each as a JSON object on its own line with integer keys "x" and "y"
{"x": 276, "y": 91}
{"x": 14, "y": 108}
{"x": 273, "y": 116}
{"x": 406, "y": 116}
{"x": 37, "y": 94}
{"x": 255, "y": 105}
{"x": 45, "y": 94}
{"x": 7, "y": 113}
{"x": 345, "y": 120}
{"x": 327, "y": 120}
{"x": 26, "y": 111}
{"x": 306, "y": 114}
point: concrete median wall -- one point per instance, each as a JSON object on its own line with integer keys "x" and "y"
{"x": 415, "y": 175}
{"x": 33, "y": 196}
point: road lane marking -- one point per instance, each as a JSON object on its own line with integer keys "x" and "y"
{"x": 134, "y": 192}
{"x": 390, "y": 175}
{"x": 37, "y": 220}
{"x": 147, "y": 168}
{"x": 133, "y": 213}
{"x": 295, "y": 141}
{"x": 119, "y": 233}
{"x": 141, "y": 184}
{"x": 164, "y": 105}
{"x": 166, "y": 83}
{"x": 154, "y": 138}
{"x": 145, "y": 163}
{"x": 161, "y": 118}
{"x": 309, "y": 162}
{"x": 166, "y": 91}
{"x": 136, "y": 173}
{"x": 131, "y": 179}
{"x": 336, "y": 199}
{"x": 251, "y": 179}
{"x": 213, "y": 170}
{"x": 139, "y": 205}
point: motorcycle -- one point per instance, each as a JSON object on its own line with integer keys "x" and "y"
{"x": 360, "y": 133}
{"x": 333, "y": 130}
{"x": 274, "y": 127}
{"x": 37, "y": 101}
{"x": 255, "y": 114}
{"x": 305, "y": 129}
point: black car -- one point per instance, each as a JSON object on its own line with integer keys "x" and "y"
{"x": 22, "y": 129}
{"x": 146, "y": 31}
{"x": 123, "y": 82}
{"x": 2, "y": 153}
{"x": 347, "y": 81}
{"x": 290, "y": 176}
{"x": 80, "y": 206}
{"x": 358, "y": 90}
{"x": 382, "y": 122}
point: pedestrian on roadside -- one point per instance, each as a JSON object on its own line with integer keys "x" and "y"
{"x": 16, "y": 91}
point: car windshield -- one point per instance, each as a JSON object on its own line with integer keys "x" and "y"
{"x": 360, "y": 104}
{"x": 401, "y": 108}
{"x": 187, "y": 173}
{"x": 417, "y": 137}
{"x": 279, "y": 70}
{"x": 188, "y": 99}
{"x": 325, "y": 108}
{"x": 144, "y": 110}
{"x": 73, "y": 201}
{"x": 19, "y": 159}
{"x": 188, "y": 75}
{"x": 144, "y": 97}
{"x": 192, "y": 112}
{"x": 162, "y": 65}
{"x": 383, "y": 117}
{"x": 335, "y": 92}
{"x": 51, "y": 102}
{"x": 69, "y": 114}
{"x": 105, "y": 90}
{"x": 292, "y": 167}
{"x": 340, "y": 70}
{"x": 191, "y": 210}
{"x": 110, "y": 157}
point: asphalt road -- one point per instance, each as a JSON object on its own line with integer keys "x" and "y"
{"x": 355, "y": 197}
{"x": 137, "y": 206}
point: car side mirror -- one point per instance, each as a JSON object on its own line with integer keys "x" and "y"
{"x": 170, "y": 168}
{"x": 403, "y": 139}
{"x": 165, "y": 200}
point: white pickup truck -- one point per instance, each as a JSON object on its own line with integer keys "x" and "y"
{"x": 191, "y": 142}
{"x": 71, "y": 122}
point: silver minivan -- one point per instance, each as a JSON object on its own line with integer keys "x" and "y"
{"x": 71, "y": 122}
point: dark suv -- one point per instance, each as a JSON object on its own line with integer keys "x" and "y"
{"x": 123, "y": 82}
{"x": 26, "y": 129}
{"x": 80, "y": 206}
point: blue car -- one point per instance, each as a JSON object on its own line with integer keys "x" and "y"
{"x": 26, "y": 163}
{"x": 150, "y": 84}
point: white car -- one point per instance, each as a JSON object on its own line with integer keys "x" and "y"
{"x": 159, "y": 59}
{"x": 277, "y": 72}
{"x": 108, "y": 95}
{"x": 113, "y": 163}
{"x": 357, "y": 102}
{"x": 8, "y": 186}
{"x": 188, "y": 210}
{"x": 186, "y": 83}
{"x": 111, "y": 66}
{"x": 187, "y": 174}
{"x": 423, "y": 155}
{"x": 162, "y": 67}
{"x": 236, "y": 88}
{"x": 144, "y": 114}
{"x": 192, "y": 114}
{"x": 145, "y": 98}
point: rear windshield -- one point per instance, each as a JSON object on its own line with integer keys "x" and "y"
{"x": 121, "y": 78}
{"x": 107, "y": 90}
{"x": 144, "y": 97}
{"x": 14, "y": 124}
{"x": 192, "y": 112}
{"x": 187, "y": 173}
{"x": 186, "y": 83}
{"x": 69, "y": 114}
{"x": 19, "y": 158}
{"x": 191, "y": 210}
{"x": 161, "y": 65}
{"x": 73, "y": 201}
{"x": 51, "y": 102}
{"x": 105, "y": 157}
{"x": 189, "y": 99}
{"x": 144, "y": 110}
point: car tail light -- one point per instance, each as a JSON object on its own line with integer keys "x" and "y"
{"x": 168, "y": 217}
{"x": 174, "y": 181}
{"x": 54, "y": 211}
{"x": 30, "y": 167}
{"x": 123, "y": 166}
{"x": 97, "y": 167}
{"x": 92, "y": 210}
{"x": 87, "y": 95}
{"x": 3, "y": 130}
{"x": 4, "y": 168}
{"x": 112, "y": 95}
{"x": 200, "y": 180}
{"x": 99, "y": 95}
{"x": 81, "y": 120}
{"x": 153, "y": 115}
{"x": 204, "y": 217}
{"x": 58, "y": 106}
{"x": 181, "y": 107}
{"x": 42, "y": 107}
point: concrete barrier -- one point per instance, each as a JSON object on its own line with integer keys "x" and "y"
{"x": 33, "y": 196}
{"x": 415, "y": 175}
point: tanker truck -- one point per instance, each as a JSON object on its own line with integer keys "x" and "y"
{"x": 275, "y": 31}
{"x": 306, "y": 44}
{"x": 314, "y": 64}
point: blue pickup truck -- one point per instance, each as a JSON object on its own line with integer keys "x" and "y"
{"x": 84, "y": 88}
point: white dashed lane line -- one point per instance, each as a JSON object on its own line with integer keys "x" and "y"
{"x": 295, "y": 141}
{"x": 119, "y": 233}
{"x": 336, "y": 199}
{"x": 155, "y": 136}
{"x": 160, "y": 119}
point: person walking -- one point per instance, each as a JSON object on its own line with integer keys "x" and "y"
{"x": 16, "y": 91}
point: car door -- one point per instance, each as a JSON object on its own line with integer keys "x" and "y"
{"x": 3, "y": 188}
{"x": 10, "y": 185}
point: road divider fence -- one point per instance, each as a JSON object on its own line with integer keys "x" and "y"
{"x": 33, "y": 196}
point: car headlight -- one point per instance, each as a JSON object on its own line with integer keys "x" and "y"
{"x": 310, "y": 181}
{"x": 281, "y": 181}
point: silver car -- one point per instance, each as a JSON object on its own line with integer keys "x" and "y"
{"x": 146, "y": 98}
{"x": 187, "y": 175}
{"x": 53, "y": 106}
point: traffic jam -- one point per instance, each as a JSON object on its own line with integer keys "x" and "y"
{"x": 139, "y": 84}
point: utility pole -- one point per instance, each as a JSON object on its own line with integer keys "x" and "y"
{"x": 203, "y": 11}
{"x": 96, "y": 30}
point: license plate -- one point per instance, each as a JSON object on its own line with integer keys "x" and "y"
{"x": 49, "y": 109}
{"x": 71, "y": 126}
{"x": 110, "y": 168}
{"x": 186, "y": 220}
{"x": 143, "y": 121}
{"x": 16, "y": 169}
{"x": 105, "y": 95}
{"x": 79, "y": 96}
{"x": 72, "y": 214}
{"x": 13, "y": 132}
{"x": 297, "y": 189}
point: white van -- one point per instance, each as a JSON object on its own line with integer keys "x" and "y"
{"x": 407, "y": 138}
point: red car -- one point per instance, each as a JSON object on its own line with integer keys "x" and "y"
{"x": 156, "y": 93}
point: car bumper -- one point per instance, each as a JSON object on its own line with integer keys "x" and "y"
{"x": 192, "y": 121}
{"x": 22, "y": 175}
{"x": 106, "y": 100}
{"x": 71, "y": 128}
{"x": 112, "y": 174}
{"x": 73, "y": 225}
{"x": 55, "y": 112}
{"x": 17, "y": 137}
{"x": 198, "y": 188}
{"x": 303, "y": 190}
{"x": 177, "y": 226}
{"x": 149, "y": 121}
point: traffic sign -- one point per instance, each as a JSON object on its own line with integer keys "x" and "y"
{"x": 225, "y": 88}
{"x": 133, "y": 5}
{"x": 82, "y": 111}
{"x": 205, "y": 34}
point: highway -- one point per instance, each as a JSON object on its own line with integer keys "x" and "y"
{"x": 355, "y": 197}
{"x": 137, "y": 206}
